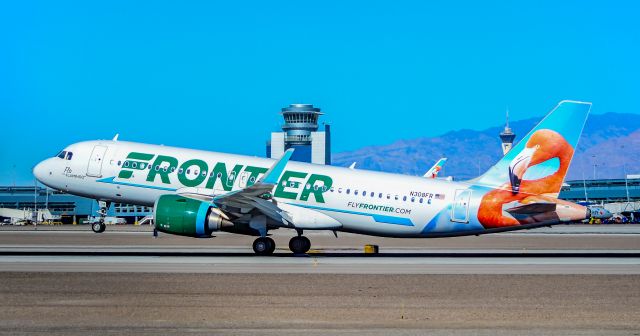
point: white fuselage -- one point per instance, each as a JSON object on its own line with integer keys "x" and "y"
{"x": 361, "y": 201}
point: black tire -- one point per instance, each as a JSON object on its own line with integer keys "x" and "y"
{"x": 98, "y": 227}
{"x": 272, "y": 244}
{"x": 264, "y": 246}
{"x": 299, "y": 245}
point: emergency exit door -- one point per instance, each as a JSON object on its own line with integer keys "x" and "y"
{"x": 95, "y": 161}
{"x": 460, "y": 208}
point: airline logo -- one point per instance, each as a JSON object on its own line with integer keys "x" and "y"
{"x": 293, "y": 185}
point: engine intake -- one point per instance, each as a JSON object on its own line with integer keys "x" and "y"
{"x": 190, "y": 217}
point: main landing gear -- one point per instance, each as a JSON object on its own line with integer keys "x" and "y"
{"x": 298, "y": 245}
{"x": 100, "y": 226}
{"x": 264, "y": 246}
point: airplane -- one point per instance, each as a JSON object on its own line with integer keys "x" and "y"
{"x": 435, "y": 170}
{"x": 196, "y": 193}
{"x": 599, "y": 212}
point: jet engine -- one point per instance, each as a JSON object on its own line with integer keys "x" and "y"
{"x": 190, "y": 217}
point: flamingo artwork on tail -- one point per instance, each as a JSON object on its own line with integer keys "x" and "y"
{"x": 524, "y": 185}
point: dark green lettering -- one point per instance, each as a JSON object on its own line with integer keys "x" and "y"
{"x": 318, "y": 185}
{"x": 183, "y": 177}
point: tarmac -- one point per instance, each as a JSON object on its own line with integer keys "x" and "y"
{"x": 574, "y": 280}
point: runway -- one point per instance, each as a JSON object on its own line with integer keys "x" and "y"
{"x": 70, "y": 281}
{"x": 565, "y": 250}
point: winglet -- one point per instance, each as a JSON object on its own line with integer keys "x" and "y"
{"x": 273, "y": 174}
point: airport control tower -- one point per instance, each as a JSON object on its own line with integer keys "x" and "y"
{"x": 300, "y": 131}
{"x": 507, "y": 136}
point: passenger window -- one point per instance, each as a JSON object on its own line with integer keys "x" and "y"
{"x": 69, "y": 155}
{"x": 180, "y": 170}
{"x": 157, "y": 167}
{"x": 420, "y": 200}
{"x": 380, "y": 195}
{"x": 396, "y": 197}
{"x": 388, "y": 196}
{"x": 315, "y": 187}
{"x": 134, "y": 165}
{"x": 413, "y": 199}
{"x": 119, "y": 162}
{"x": 404, "y": 199}
{"x": 355, "y": 192}
{"x": 324, "y": 189}
{"x": 195, "y": 172}
{"x": 331, "y": 189}
{"x": 204, "y": 173}
{"x": 372, "y": 193}
{"x": 126, "y": 164}
{"x": 172, "y": 169}
{"x": 165, "y": 169}
{"x": 219, "y": 175}
{"x": 188, "y": 171}
{"x": 348, "y": 191}
{"x": 252, "y": 179}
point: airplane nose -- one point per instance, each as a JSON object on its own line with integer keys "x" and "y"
{"x": 40, "y": 171}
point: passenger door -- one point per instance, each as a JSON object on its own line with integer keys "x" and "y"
{"x": 95, "y": 161}
{"x": 460, "y": 208}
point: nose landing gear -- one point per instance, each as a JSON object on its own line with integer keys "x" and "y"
{"x": 100, "y": 226}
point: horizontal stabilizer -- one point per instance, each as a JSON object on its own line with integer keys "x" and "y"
{"x": 532, "y": 209}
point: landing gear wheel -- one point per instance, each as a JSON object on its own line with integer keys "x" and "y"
{"x": 299, "y": 245}
{"x": 98, "y": 227}
{"x": 264, "y": 246}
{"x": 272, "y": 245}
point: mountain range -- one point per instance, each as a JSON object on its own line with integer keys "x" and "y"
{"x": 609, "y": 148}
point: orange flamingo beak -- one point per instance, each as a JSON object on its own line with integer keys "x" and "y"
{"x": 518, "y": 167}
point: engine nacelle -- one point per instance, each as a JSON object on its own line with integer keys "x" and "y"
{"x": 185, "y": 216}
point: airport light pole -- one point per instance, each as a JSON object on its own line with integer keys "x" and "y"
{"x": 594, "y": 166}
{"x": 35, "y": 201}
{"x": 624, "y": 170}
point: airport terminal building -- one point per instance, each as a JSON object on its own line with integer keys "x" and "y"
{"x": 70, "y": 208}
{"x": 616, "y": 195}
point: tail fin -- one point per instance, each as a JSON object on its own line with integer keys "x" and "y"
{"x": 539, "y": 162}
{"x": 433, "y": 172}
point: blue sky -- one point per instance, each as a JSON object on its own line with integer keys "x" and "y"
{"x": 214, "y": 75}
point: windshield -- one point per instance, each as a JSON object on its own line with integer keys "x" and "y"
{"x": 62, "y": 154}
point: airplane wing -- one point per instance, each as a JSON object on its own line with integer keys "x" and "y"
{"x": 258, "y": 196}
{"x": 433, "y": 172}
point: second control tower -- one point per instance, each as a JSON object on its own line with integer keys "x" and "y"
{"x": 507, "y": 136}
{"x": 300, "y": 132}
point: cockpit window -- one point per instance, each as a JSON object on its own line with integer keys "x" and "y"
{"x": 69, "y": 155}
{"x": 62, "y": 154}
